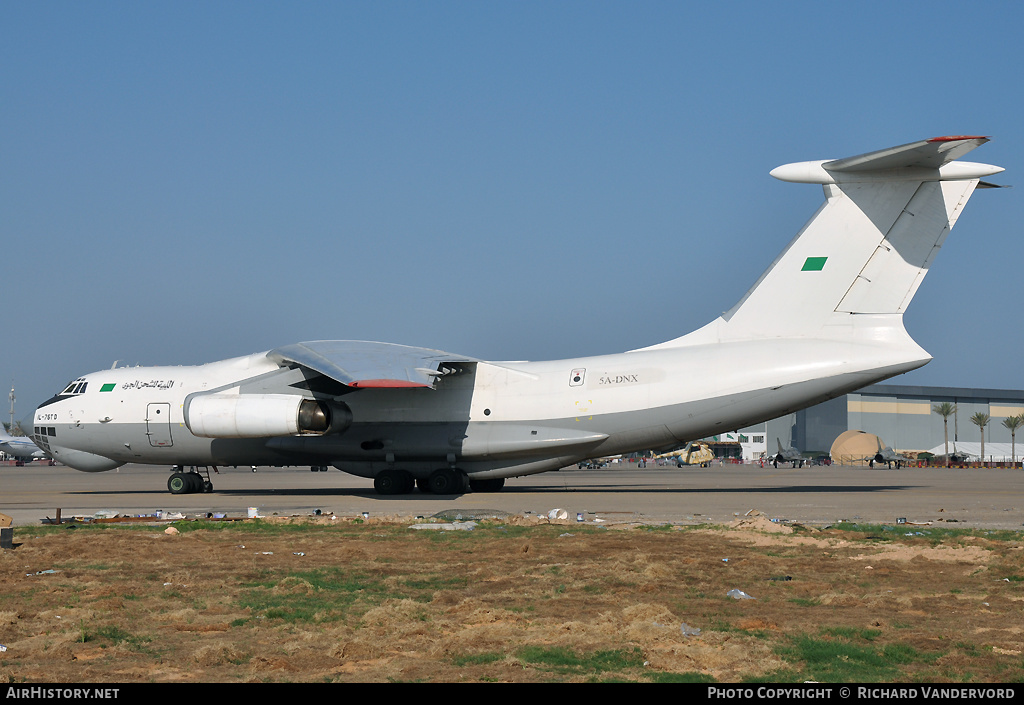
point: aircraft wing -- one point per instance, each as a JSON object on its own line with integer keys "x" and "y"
{"x": 363, "y": 364}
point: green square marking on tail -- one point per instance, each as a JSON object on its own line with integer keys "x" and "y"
{"x": 814, "y": 264}
{"x": 107, "y": 387}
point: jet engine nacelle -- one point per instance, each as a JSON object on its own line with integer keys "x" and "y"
{"x": 263, "y": 416}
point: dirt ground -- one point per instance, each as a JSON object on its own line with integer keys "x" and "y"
{"x": 514, "y": 599}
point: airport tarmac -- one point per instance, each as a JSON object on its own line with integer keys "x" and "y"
{"x": 990, "y": 498}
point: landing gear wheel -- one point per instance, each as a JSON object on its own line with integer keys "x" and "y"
{"x": 447, "y": 481}
{"x": 423, "y": 484}
{"x": 178, "y": 483}
{"x": 207, "y": 486}
{"x": 492, "y": 485}
{"x": 393, "y": 482}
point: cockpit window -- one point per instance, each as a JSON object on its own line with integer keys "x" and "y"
{"x": 76, "y": 387}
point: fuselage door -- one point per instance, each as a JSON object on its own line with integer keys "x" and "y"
{"x": 158, "y": 424}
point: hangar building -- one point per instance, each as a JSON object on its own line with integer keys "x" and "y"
{"x": 902, "y": 416}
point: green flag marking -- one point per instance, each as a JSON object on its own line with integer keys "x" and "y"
{"x": 107, "y": 387}
{"x": 814, "y": 264}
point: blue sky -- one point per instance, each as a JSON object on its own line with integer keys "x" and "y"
{"x": 184, "y": 182}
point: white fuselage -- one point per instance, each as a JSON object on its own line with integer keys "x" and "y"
{"x": 505, "y": 419}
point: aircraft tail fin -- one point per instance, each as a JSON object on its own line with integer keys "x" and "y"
{"x": 869, "y": 246}
{"x": 863, "y": 254}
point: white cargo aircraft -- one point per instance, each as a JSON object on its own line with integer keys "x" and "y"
{"x": 21, "y": 447}
{"x": 826, "y": 318}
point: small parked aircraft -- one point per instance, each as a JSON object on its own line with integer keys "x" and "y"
{"x": 885, "y": 455}
{"x": 787, "y": 455}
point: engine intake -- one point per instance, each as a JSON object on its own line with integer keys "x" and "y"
{"x": 263, "y": 416}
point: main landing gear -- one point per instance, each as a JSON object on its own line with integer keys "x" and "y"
{"x": 184, "y": 481}
{"x": 443, "y": 481}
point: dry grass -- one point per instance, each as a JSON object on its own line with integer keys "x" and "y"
{"x": 376, "y": 601}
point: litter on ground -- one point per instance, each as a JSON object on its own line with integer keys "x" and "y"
{"x": 451, "y": 526}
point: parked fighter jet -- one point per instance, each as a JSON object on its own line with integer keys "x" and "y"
{"x": 961, "y": 456}
{"x": 826, "y": 318}
{"x": 788, "y": 455}
{"x": 885, "y": 455}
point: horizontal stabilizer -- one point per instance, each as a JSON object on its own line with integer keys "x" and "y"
{"x": 929, "y": 154}
{"x": 927, "y": 160}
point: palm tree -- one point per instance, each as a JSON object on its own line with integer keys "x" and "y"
{"x": 945, "y": 410}
{"x": 981, "y": 420}
{"x": 1013, "y": 423}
